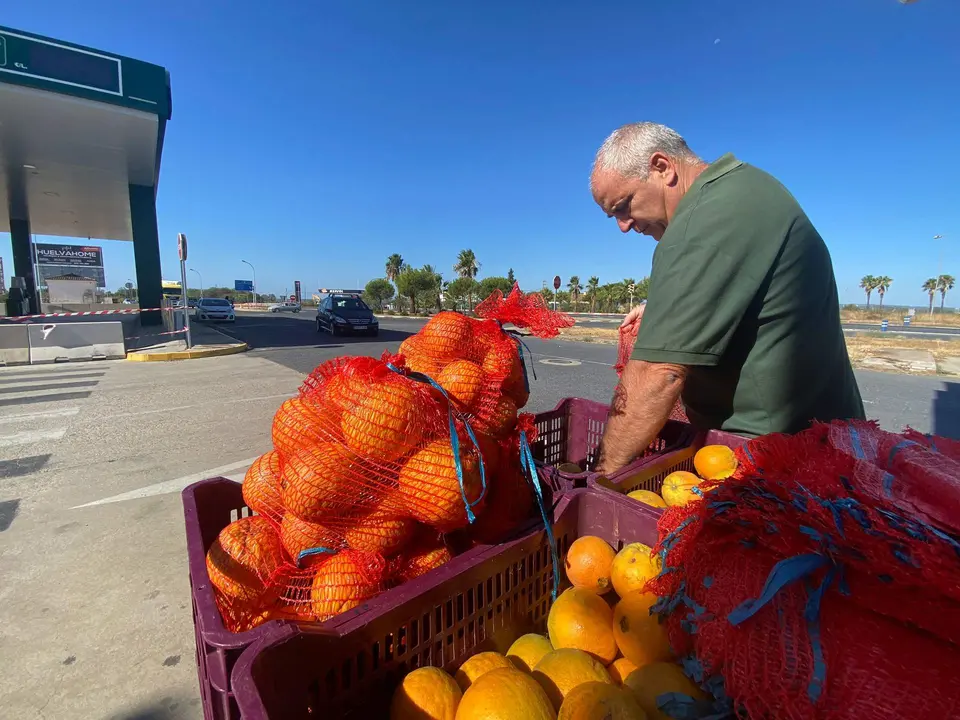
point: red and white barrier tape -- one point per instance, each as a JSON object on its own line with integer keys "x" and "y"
{"x": 90, "y": 312}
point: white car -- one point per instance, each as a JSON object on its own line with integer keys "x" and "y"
{"x": 284, "y": 307}
{"x": 214, "y": 309}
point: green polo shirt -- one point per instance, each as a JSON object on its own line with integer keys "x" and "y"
{"x": 742, "y": 293}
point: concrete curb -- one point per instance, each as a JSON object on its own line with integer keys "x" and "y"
{"x": 187, "y": 354}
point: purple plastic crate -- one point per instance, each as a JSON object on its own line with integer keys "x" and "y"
{"x": 649, "y": 475}
{"x": 571, "y": 433}
{"x": 479, "y": 603}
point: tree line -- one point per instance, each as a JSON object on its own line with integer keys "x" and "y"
{"x": 881, "y": 283}
{"x": 411, "y": 288}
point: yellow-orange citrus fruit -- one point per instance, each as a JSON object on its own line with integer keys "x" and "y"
{"x": 497, "y": 418}
{"x": 588, "y": 564}
{"x": 678, "y": 488}
{"x": 261, "y": 485}
{"x": 581, "y": 619}
{"x": 464, "y": 382}
{"x": 297, "y": 424}
{"x": 638, "y": 632}
{"x": 619, "y": 669}
{"x": 298, "y": 535}
{"x": 322, "y": 480}
{"x": 476, "y": 666}
{"x": 414, "y": 357}
{"x": 447, "y": 335}
{"x": 422, "y": 559}
{"x": 527, "y": 650}
{"x": 649, "y": 682}
{"x": 633, "y": 567}
{"x": 431, "y": 489}
{"x": 715, "y": 462}
{"x": 342, "y": 583}
{"x": 380, "y": 532}
{"x": 427, "y": 693}
{"x": 243, "y": 557}
{"x": 505, "y": 694}
{"x": 387, "y": 421}
{"x": 647, "y": 497}
{"x": 600, "y": 701}
{"x": 562, "y": 670}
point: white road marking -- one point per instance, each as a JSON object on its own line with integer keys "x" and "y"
{"x": 558, "y": 357}
{"x": 190, "y": 407}
{"x": 65, "y": 412}
{"x": 170, "y": 486}
{"x": 31, "y": 436}
{"x": 562, "y": 362}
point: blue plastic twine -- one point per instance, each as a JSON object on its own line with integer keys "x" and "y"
{"x": 314, "y": 551}
{"x": 452, "y": 416}
{"x": 529, "y": 468}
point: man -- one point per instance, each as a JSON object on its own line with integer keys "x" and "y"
{"x": 743, "y": 320}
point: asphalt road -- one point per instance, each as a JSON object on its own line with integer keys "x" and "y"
{"x": 94, "y": 595}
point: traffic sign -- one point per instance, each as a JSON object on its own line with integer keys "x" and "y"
{"x": 243, "y": 285}
{"x": 182, "y": 247}
{"x": 556, "y": 282}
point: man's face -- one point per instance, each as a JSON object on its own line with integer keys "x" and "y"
{"x": 638, "y": 205}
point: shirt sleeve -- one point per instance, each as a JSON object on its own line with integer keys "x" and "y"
{"x": 700, "y": 288}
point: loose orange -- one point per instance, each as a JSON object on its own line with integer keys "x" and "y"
{"x": 633, "y": 567}
{"x": 647, "y": 497}
{"x": 344, "y": 581}
{"x": 582, "y": 620}
{"x": 619, "y": 669}
{"x": 588, "y": 564}
{"x": 678, "y": 488}
{"x": 261, "y": 485}
{"x": 600, "y": 701}
{"x": 715, "y": 462}
{"x": 638, "y": 632}
{"x": 243, "y": 557}
{"x": 476, "y": 666}
{"x": 561, "y": 671}
{"x": 427, "y": 693}
{"x": 464, "y": 382}
{"x": 527, "y": 650}
{"x": 505, "y": 694}
{"x": 431, "y": 489}
{"x": 649, "y": 682}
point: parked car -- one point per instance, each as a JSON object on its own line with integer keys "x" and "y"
{"x": 339, "y": 314}
{"x": 214, "y": 309}
{"x": 192, "y": 303}
{"x": 284, "y": 307}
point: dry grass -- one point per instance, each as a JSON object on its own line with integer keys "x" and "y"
{"x": 895, "y": 316}
{"x": 607, "y": 336}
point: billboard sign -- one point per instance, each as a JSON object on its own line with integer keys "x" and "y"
{"x": 243, "y": 285}
{"x": 297, "y": 297}
{"x": 84, "y": 261}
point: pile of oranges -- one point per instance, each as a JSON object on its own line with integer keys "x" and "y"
{"x": 605, "y": 654}
{"x": 712, "y": 462}
{"x": 380, "y": 470}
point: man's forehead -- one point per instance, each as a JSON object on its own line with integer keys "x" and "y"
{"x": 609, "y": 188}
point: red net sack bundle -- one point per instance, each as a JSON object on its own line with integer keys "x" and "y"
{"x": 804, "y": 589}
{"x": 628, "y": 338}
{"x": 381, "y": 468}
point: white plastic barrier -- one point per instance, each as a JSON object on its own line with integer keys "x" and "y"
{"x": 63, "y": 342}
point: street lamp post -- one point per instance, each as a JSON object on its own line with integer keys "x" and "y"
{"x": 254, "y": 280}
{"x": 201, "y": 281}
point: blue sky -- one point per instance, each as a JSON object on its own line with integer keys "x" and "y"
{"x": 315, "y": 142}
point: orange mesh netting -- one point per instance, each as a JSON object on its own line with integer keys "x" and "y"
{"x": 382, "y": 468}
{"x": 822, "y": 581}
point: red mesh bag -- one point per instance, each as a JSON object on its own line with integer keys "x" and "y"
{"x": 803, "y": 587}
{"x": 628, "y": 337}
{"x": 380, "y": 468}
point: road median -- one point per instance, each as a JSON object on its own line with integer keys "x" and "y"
{"x": 207, "y": 342}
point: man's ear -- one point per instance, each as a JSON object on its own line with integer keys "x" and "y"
{"x": 664, "y": 168}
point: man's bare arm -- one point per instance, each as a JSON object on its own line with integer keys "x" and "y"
{"x": 640, "y": 407}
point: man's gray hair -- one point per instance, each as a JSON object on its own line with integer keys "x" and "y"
{"x": 628, "y": 149}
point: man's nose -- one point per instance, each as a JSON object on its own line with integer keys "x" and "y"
{"x": 624, "y": 225}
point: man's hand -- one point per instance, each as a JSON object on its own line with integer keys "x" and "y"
{"x": 631, "y": 322}
{"x": 641, "y": 405}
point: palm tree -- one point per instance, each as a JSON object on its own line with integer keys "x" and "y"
{"x": 944, "y": 283}
{"x": 438, "y": 279}
{"x": 467, "y": 267}
{"x": 869, "y": 284}
{"x": 395, "y": 266}
{"x": 883, "y": 284}
{"x": 575, "y": 289}
{"x": 930, "y": 286}
{"x": 592, "y": 285}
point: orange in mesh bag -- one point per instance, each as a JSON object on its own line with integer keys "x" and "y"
{"x": 243, "y": 559}
{"x": 262, "y": 484}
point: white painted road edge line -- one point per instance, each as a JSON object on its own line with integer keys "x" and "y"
{"x": 169, "y": 486}
{"x": 31, "y": 436}
{"x": 65, "y": 412}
